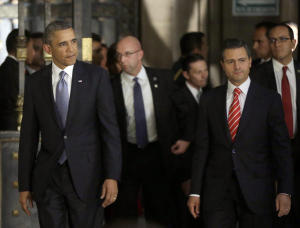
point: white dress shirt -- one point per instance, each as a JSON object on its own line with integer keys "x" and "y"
{"x": 291, "y": 75}
{"x": 244, "y": 87}
{"x": 127, "y": 87}
{"x": 55, "y": 77}
{"x": 194, "y": 91}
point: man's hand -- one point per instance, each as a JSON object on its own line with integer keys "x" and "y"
{"x": 283, "y": 204}
{"x": 109, "y": 192}
{"x": 194, "y": 206}
{"x": 180, "y": 147}
{"x": 25, "y": 199}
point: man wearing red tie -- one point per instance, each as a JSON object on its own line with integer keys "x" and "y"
{"x": 242, "y": 149}
{"x": 282, "y": 74}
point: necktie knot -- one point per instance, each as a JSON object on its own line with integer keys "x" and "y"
{"x": 136, "y": 79}
{"x": 62, "y": 75}
{"x": 237, "y": 92}
{"x": 284, "y": 69}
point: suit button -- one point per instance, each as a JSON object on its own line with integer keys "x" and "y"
{"x": 65, "y": 137}
{"x": 233, "y": 151}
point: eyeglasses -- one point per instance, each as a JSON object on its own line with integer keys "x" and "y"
{"x": 126, "y": 54}
{"x": 279, "y": 40}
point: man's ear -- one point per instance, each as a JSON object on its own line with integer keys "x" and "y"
{"x": 47, "y": 48}
{"x": 186, "y": 75}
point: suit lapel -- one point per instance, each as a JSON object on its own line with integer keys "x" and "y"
{"x": 75, "y": 91}
{"x": 297, "y": 74}
{"x": 271, "y": 76}
{"x": 155, "y": 89}
{"x": 249, "y": 106}
{"x": 190, "y": 95}
{"x": 222, "y": 113}
{"x": 48, "y": 93}
{"x": 120, "y": 104}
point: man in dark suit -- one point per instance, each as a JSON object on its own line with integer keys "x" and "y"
{"x": 282, "y": 74}
{"x": 9, "y": 86}
{"x": 190, "y": 43}
{"x": 242, "y": 148}
{"x": 146, "y": 121}
{"x": 261, "y": 45}
{"x": 186, "y": 100}
{"x": 69, "y": 103}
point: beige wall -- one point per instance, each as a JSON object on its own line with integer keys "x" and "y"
{"x": 164, "y": 21}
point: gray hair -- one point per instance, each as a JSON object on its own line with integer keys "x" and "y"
{"x": 53, "y": 27}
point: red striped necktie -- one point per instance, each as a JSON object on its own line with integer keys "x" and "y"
{"x": 234, "y": 114}
{"x": 287, "y": 101}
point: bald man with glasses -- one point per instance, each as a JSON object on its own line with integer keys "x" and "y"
{"x": 148, "y": 130}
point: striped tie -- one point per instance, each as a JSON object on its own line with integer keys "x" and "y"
{"x": 234, "y": 114}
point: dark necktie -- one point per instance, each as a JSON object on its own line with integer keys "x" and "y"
{"x": 287, "y": 101}
{"x": 62, "y": 103}
{"x": 234, "y": 114}
{"x": 140, "y": 116}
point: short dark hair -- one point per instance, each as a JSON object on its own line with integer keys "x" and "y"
{"x": 12, "y": 40}
{"x": 96, "y": 37}
{"x": 190, "y": 41}
{"x": 233, "y": 44}
{"x": 191, "y": 59}
{"x": 37, "y": 35}
{"x": 265, "y": 24}
{"x": 290, "y": 30}
{"x": 53, "y": 27}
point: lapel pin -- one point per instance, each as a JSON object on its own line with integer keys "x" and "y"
{"x": 80, "y": 81}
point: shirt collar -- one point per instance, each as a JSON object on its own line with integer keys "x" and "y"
{"x": 193, "y": 90}
{"x": 129, "y": 78}
{"x": 278, "y": 66}
{"x": 262, "y": 60}
{"x": 13, "y": 57}
{"x": 244, "y": 87}
{"x": 56, "y": 70}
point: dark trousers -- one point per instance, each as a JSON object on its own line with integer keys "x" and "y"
{"x": 183, "y": 217}
{"x": 61, "y": 204}
{"x": 232, "y": 210}
{"x": 143, "y": 173}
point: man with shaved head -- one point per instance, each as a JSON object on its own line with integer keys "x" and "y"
{"x": 147, "y": 127}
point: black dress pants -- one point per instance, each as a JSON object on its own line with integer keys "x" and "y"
{"x": 143, "y": 173}
{"x": 232, "y": 210}
{"x": 61, "y": 204}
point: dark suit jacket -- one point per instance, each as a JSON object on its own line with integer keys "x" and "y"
{"x": 186, "y": 108}
{"x": 260, "y": 155}
{"x": 161, "y": 87}
{"x": 90, "y": 138}
{"x": 9, "y": 89}
{"x": 265, "y": 76}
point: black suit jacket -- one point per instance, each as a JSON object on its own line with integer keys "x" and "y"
{"x": 186, "y": 108}
{"x": 265, "y": 76}
{"x": 90, "y": 138}
{"x": 9, "y": 89}
{"x": 260, "y": 155}
{"x": 161, "y": 87}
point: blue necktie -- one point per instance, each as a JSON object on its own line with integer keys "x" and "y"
{"x": 62, "y": 103}
{"x": 139, "y": 114}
